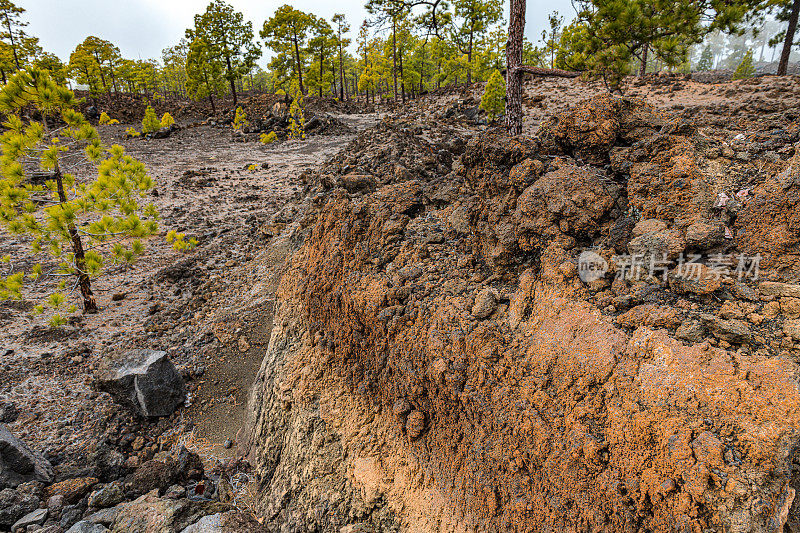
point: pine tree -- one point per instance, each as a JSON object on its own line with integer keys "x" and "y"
{"x": 706, "y": 59}
{"x": 204, "y": 75}
{"x": 493, "y": 100}
{"x": 21, "y": 45}
{"x": 229, "y": 39}
{"x": 239, "y": 119}
{"x": 609, "y": 36}
{"x": 84, "y": 225}
{"x": 286, "y": 33}
{"x": 342, "y": 42}
{"x": 321, "y": 46}
{"x": 745, "y": 68}
{"x": 787, "y": 11}
{"x": 474, "y": 18}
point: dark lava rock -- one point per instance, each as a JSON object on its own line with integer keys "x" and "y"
{"x": 146, "y": 382}
{"x": 14, "y": 505}
{"x": 19, "y": 464}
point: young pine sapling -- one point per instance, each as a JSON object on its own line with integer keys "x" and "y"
{"x": 87, "y": 220}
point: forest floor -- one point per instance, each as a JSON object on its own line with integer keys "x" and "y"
{"x": 203, "y": 306}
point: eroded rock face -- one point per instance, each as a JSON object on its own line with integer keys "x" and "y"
{"x": 770, "y": 223}
{"x": 397, "y": 392}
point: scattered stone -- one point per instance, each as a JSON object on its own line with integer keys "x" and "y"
{"x": 773, "y": 288}
{"x": 771, "y": 309}
{"x": 14, "y": 505}
{"x": 733, "y": 331}
{"x": 792, "y": 329}
{"x": 650, "y": 315}
{"x": 790, "y": 307}
{"x": 704, "y": 235}
{"x": 8, "y": 413}
{"x": 401, "y": 407}
{"x": 56, "y": 503}
{"x": 691, "y": 331}
{"x": 175, "y": 492}
{"x": 36, "y": 517}
{"x": 105, "y": 517}
{"x": 667, "y": 243}
{"x": 207, "y": 524}
{"x": 243, "y": 344}
{"x": 415, "y": 424}
{"x": 84, "y": 526}
{"x": 485, "y": 303}
{"x": 70, "y": 514}
{"x": 109, "y": 496}
{"x": 72, "y": 490}
{"x": 650, "y": 225}
{"x": 19, "y": 464}
{"x": 154, "y": 475}
{"x": 149, "y": 514}
{"x": 146, "y": 382}
{"x": 699, "y": 280}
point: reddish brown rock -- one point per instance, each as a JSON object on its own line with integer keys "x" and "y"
{"x": 72, "y": 490}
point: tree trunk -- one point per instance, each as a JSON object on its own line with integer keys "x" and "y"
{"x": 341, "y": 69}
{"x": 516, "y": 29}
{"x": 643, "y": 67}
{"x": 394, "y": 55}
{"x": 297, "y": 62}
{"x": 13, "y": 44}
{"x": 102, "y": 77}
{"x": 231, "y": 81}
{"x": 402, "y": 78}
{"x": 469, "y": 60}
{"x": 783, "y": 66}
{"x": 321, "y": 71}
{"x": 84, "y": 283}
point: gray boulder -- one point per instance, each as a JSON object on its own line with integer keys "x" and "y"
{"x": 36, "y": 517}
{"x": 208, "y": 524}
{"x": 145, "y": 381}
{"x": 19, "y": 464}
{"x": 84, "y": 526}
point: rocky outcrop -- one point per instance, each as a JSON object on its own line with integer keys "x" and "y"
{"x": 437, "y": 364}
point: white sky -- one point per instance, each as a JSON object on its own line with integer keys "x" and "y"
{"x": 142, "y": 28}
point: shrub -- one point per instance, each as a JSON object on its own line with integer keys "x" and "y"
{"x": 179, "y": 242}
{"x": 131, "y": 132}
{"x": 297, "y": 119}
{"x": 150, "y": 122}
{"x": 493, "y": 100}
{"x": 240, "y": 119}
{"x": 167, "y": 120}
{"x": 268, "y": 138}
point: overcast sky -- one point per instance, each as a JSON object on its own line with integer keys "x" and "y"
{"x": 142, "y": 28}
